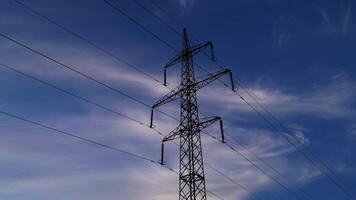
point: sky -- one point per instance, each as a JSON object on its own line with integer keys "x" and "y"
{"x": 295, "y": 56}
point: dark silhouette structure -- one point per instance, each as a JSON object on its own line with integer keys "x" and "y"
{"x": 191, "y": 172}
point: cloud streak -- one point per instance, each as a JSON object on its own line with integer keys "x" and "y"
{"x": 340, "y": 24}
{"x": 328, "y": 101}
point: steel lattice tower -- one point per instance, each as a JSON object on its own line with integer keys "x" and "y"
{"x": 191, "y": 171}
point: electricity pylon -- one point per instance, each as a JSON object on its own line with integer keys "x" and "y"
{"x": 191, "y": 171}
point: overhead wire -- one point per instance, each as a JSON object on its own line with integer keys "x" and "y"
{"x": 121, "y": 13}
{"x": 260, "y": 114}
{"x": 93, "y": 44}
{"x": 101, "y": 49}
{"x": 78, "y": 72}
{"x": 109, "y": 110}
{"x": 134, "y": 155}
{"x": 108, "y": 53}
{"x": 154, "y": 35}
{"x": 269, "y": 166}
{"x": 78, "y": 137}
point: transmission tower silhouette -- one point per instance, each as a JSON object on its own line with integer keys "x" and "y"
{"x": 191, "y": 170}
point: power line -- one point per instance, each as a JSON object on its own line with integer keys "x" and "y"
{"x": 229, "y": 178}
{"x": 80, "y": 137}
{"x": 192, "y": 182}
{"x": 64, "y": 29}
{"x": 263, "y": 171}
{"x": 75, "y": 70}
{"x": 134, "y": 155}
{"x": 147, "y": 30}
{"x": 157, "y": 17}
{"x": 96, "y": 46}
{"x": 107, "y": 53}
{"x": 173, "y": 29}
{"x": 295, "y": 146}
{"x": 139, "y": 24}
{"x": 71, "y": 94}
{"x": 268, "y": 165}
{"x": 287, "y": 130}
{"x": 308, "y": 158}
{"x": 80, "y": 73}
{"x": 112, "y": 111}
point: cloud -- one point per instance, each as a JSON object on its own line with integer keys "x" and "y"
{"x": 82, "y": 167}
{"x": 280, "y": 39}
{"x": 347, "y": 20}
{"x": 282, "y": 31}
{"x": 38, "y": 165}
{"x": 328, "y": 101}
{"x": 337, "y": 23}
{"x": 152, "y": 182}
{"x": 92, "y": 167}
{"x": 97, "y": 66}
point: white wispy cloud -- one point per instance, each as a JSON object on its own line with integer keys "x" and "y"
{"x": 100, "y": 67}
{"x": 47, "y": 166}
{"x": 339, "y": 23}
{"x": 156, "y": 182}
{"x": 328, "y": 101}
{"x": 126, "y": 134}
{"x": 280, "y": 38}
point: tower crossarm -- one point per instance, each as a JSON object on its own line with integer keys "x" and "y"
{"x": 201, "y": 82}
{"x": 182, "y": 56}
{"x": 207, "y": 79}
{"x": 187, "y": 54}
{"x": 191, "y": 165}
{"x": 173, "y": 134}
{"x": 204, "y": 122}
{"x": 171, "y": 96}
{"x": 200, "y": 47}
{"x": 207, "y": 121}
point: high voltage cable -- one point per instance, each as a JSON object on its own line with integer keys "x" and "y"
{"x": 251, "y": 94}
{"x": 171, "y": 47}
{"x": 156, "y": 36}
{"x": 134, "y": 155}
{"x": 177, "y": 32}
{"x": 80, "y": 73}
{"x": 86, "y": 40}
{"x": 138, "y": 24}
{"x": 268, "y": 165}
{"x": 287, "y": 130}
{"x": 264, "y": 172}
{"x": 254, "y": 97}
{"x": 71, "y": 94}
{"x": 83, "y": 74}
{"x": 295, "y": 146}
{"x": 110, "y": 54}
{"x": 86, "y": 76}
{"x": 157, "y": 17}
{"x": 104, "y": 51}
{"x": 79, "y": 137}
{"x": 300, "y": 151}
{"x": 112, "y": 111}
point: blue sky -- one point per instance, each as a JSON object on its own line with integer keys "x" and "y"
{"x": 296, "y": 56}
